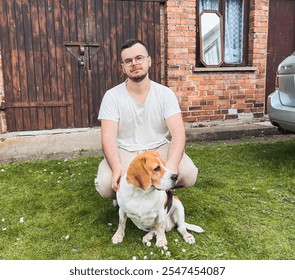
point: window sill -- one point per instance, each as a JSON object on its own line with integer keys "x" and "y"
{"x": 224, "y": 69}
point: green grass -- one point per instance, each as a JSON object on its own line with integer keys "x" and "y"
{"x": 244, "y": 199}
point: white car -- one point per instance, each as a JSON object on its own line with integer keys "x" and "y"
{"x": 281, "y": 103}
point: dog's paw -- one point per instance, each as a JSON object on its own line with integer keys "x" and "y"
{"x": 148, "y": 238}
{"x": 161, "y": 241}
{"x": 189, "y": 238}
{"x": 117, "y": 238}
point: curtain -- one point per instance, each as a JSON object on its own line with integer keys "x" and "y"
{"x": 208, "y": 5}
{"x": 233, "y": 31}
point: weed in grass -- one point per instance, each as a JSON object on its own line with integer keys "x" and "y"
{"x": 244, "y": 199}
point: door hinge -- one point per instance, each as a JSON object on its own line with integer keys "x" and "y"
{"x": 39, "y": 104}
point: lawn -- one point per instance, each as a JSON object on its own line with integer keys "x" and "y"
{"x": 244, "y": 199}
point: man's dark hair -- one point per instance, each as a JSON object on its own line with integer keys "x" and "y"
{"x": 130, "y": 42}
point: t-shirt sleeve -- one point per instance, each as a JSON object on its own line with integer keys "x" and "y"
{"x": 108, "y": 108}
{"x": 171, "y": 104}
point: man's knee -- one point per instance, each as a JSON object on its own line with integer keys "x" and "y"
{"x": 103, "y": 180}
{"x": 188, "y": 172}
{"x": 188, "y": 177}
{"x": 192, "y": 176}
{"x": 104, "y": 188}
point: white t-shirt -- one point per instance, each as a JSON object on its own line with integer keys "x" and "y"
{"x": 140, "y": 126}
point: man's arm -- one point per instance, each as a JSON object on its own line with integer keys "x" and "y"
{"x": 109, "y": 131}
{"x": 177, "y": 131}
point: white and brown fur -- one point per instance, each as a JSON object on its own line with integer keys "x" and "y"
{"x": 144, "y": 197}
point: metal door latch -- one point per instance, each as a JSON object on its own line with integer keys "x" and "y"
{"x": 82, "y": 51}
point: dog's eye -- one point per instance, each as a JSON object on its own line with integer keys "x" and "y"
{"x": 158, "y": 168}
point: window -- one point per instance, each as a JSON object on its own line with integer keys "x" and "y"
{"x": 222, "y": 33}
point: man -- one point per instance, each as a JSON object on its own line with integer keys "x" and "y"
{"x": 137, "y": 115}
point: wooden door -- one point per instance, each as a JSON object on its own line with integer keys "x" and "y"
{"x": 281, "y": 38}
{"x": 60, "y": 56}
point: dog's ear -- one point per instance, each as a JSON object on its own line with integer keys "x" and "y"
{"x": 138, "y": 175}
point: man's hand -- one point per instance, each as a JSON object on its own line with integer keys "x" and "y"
{"x": 117, "y": 174}
{"x": 172, "y": 167}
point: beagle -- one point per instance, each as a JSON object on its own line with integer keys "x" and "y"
{"x": 144, "y": 197}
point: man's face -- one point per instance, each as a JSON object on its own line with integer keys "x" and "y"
{"x": 136, "y": 71}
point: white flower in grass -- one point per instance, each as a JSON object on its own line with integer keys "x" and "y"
{"x": 149, "y": 244}
{"x": 183, "y": 250}
{"x": 67, "y": 237}
{"x": 134, "y": 258}
{"x": 3, "y": 220}
{"x": 145, "y": 257}
{"x": 168, "y": 254}
{"x": 110, "y": 224}
{"x": 22, "y": 220}
{"x": 4, "y": 229}
{"x": 151, "y": 253}
{"x": 2, "y": 170}
{"x": 176, "y": 240}
{"x": 165, "y": 248}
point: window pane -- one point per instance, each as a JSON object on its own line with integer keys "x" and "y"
{"x": 208, "y": 5}
{"x": 211, "y": 38}
{"x": 233, "y": 31}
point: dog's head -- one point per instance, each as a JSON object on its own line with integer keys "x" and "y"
{"x": 148, "y": 169}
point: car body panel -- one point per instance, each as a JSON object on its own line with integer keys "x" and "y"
{"x": 288, "y": 99}
{"x": 281, "y": 103}
{"x": 280, "y": 115}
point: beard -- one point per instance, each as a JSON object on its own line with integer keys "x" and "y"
{"x": 137, "y": 78}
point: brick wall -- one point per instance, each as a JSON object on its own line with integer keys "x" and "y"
{"x": 214, "y": 96}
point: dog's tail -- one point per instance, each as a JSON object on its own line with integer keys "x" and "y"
{"x": 194, "y": 228}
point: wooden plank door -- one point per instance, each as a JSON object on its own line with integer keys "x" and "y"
{"x": 114, "y": 22}
{"x": 40, "y": 77}
{"x": 60, "y": 56}
{"x": 281, "y": 38}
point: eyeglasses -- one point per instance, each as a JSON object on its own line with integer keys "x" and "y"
{"x": 138, "y": 60}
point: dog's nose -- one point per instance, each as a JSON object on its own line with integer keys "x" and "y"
{"x": 174, "y": 177}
